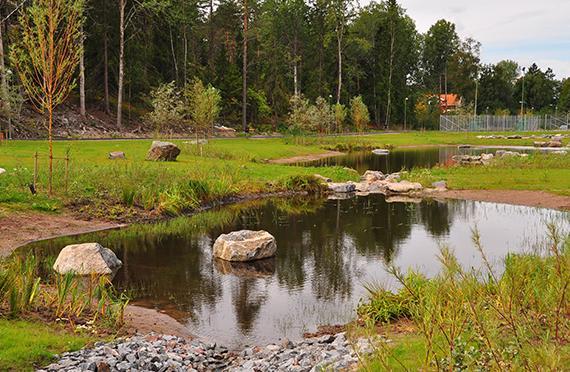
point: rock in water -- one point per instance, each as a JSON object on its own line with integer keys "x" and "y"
{"x": 342, "y": 188}
{"x": 87, "y": 259}
{"x": 245, "y": 245}
{"x": 117, "y": 155}
{"x": 163, "y": 151}
{"x": 381, "y": 152}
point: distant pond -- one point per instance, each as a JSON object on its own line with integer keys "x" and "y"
{"x": 398, "y": 159}
{"x": 327, "y": 252}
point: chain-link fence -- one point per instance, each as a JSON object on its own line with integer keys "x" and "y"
{"x": 503, "y": 123}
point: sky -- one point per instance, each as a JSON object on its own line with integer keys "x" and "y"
{"x": 522, "y": 30}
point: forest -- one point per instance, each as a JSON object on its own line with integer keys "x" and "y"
{"x": 259, "y": 54}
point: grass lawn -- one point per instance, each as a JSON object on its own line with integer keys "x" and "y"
{"x": 542, "y": 172}
{"x": 25, "y": 345}
{"x": 228, "y": 167}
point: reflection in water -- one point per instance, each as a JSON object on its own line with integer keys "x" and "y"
{"x": 327, "y": 251}
{"x": 398, "y": 159}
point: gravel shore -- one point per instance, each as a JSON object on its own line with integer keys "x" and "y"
{"x": 170, "y": 353}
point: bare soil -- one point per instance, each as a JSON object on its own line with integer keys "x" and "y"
{"x": 516, "y": 197}
{"x": 19, "y": 228}
{"x": 142, "y": 321}
{"x": 306, "y": 158}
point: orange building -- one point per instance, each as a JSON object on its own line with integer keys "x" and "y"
{"x": 449, "y": 102}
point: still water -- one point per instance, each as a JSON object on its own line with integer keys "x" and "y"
{"x": 399, "y": 159}
{"x": 327, "y": 252}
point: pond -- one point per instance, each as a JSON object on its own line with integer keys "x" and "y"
{"x": 328, "y": 251}
{"x": 396, "y": 160}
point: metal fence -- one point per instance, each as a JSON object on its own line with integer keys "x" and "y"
{"x": 502, "y": 123}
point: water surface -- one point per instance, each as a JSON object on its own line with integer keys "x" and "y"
{"x": 327, "y": 252}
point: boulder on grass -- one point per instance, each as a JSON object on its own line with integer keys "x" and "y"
{"x": 117, "y": 155}
{"x": 2, "y": 170}
{"x": 372, "y": 176}
{"x": 404, "y": 187}
{"x": 163, "y": 151}
{"x": 87, "y": 259}
{"x": 245, "y": 245}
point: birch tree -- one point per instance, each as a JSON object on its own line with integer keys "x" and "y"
{"x": 47, "y": 54}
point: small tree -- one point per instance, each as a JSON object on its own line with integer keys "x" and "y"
{"x": 47, "y": 54}
{"x": 167, "y": 106}
{"x": 324, "y": 115}
{"x": 301, "y": 115}
{"x": 359, "y": 112}
{"x": 203, "y": 105}
{"x": 339, "y": 116}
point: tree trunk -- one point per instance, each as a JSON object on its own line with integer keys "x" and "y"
{"x": 389, "y": 103}
{"x": 185, "y": 56}
{"x": 82, "y": 109}
{"x": 4, "y": 82}
{"x": 50, "y": 142}
{"x": 295, "y": 71}
{"x": 244, "y": 68}
{"x": 175, "y": 62}
{"x": 106, "y": 73}
{"x": 122, "y": 4}
{"x": 339, "y": 49}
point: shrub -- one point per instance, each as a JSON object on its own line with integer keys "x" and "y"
{"x": 359, "y": 113}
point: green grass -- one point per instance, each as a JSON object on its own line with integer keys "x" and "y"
{"x": 228, "y": 167}
{"x": 25, "y": 345}
{"x": 542, "y": 172}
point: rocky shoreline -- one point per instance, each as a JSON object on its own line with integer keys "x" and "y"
{"x": 169, "y": 353}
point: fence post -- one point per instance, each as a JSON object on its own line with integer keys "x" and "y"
{"x": 36, "y": 171}
{"x": 66, "y": 170}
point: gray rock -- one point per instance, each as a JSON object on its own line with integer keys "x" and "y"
{"x": 87, "y": 259}
{"x": 381, "y": 152}
{"x": 372, "y": 176}
{"x": 163, "y": 151}
{"x": 440, "y": 185}
{"x": 245, "y": 245}
{"x": 342, "y": 188}
{"x": 115, "y": 155}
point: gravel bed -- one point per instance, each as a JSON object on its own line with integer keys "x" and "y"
{"x": 170, "y": 353}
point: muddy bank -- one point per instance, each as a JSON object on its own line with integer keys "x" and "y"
{"x": 306, "y": 158}
{"x": 528, "y": 198}
{"x": 19, "y": 228}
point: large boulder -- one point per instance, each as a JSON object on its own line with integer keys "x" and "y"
{"x": 404, "y": 187}
{"x": 163, "y": 151}
{"x": 87, "y": 259}
{"x": 245, "y": 245}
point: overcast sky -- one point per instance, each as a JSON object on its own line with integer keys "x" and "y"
{"x": 523, "y": 30}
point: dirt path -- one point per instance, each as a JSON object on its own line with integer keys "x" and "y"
{"x": 18, "y": 229}
{"x": 306, "y": 158}
{"x": 517, "y": 197}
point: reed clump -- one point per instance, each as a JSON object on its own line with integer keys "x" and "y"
{"x": 479, "y": 319}
{"x": 31, "y": 290}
